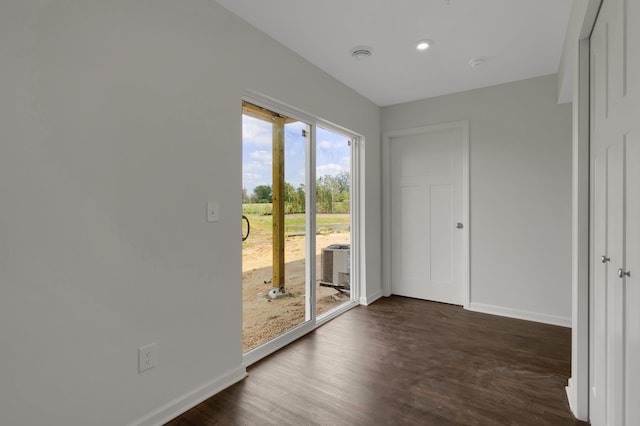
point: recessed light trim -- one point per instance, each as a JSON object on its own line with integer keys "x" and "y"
{"x": 424, "y": 44}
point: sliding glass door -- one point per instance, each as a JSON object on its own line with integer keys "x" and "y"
{"x": 297, "y": 203}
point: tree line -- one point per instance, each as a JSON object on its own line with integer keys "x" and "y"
{"x": 332, "y": 193}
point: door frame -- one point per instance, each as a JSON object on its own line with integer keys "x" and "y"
{"x": 578, "y": 387}
{"x": 387, "y": 138}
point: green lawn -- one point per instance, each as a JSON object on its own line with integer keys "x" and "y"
{"x": 265, "y": 208}
{"x": 261, "y": 225}
{"x": 325, "y": 220}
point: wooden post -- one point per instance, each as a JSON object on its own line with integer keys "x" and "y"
{"x": 278, "y": 122}
{"x": 278, "y": 203}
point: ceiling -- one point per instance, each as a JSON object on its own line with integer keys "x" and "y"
{"x": 518, "y": 38}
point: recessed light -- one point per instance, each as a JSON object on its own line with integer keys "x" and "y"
{"x": 423, "y": 45}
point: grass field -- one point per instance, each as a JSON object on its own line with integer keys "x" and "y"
{"x": 261, "y": 225}
{"x": 266, "y": 209}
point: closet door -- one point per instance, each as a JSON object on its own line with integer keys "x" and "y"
{"x": 631, "y": 283}
{"x": 615, "y": 314}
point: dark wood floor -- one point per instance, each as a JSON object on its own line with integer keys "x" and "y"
{"x": 405, "y": 361}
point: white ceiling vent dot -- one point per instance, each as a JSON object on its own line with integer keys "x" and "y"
{"x": 361, "y": 53}
{"x": 476, "y": 62}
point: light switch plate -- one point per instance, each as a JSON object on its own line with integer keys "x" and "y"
{"x": 213, "y": 211}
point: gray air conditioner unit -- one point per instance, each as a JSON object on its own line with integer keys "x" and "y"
{"x": 336, "y": 267}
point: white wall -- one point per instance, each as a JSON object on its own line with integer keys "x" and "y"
{"x": 118, "y": 121}
{"x": 520, "y": 173}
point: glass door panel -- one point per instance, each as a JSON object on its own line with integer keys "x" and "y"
{"x": 275, "y": 290}
{"x": 333, "y": 220}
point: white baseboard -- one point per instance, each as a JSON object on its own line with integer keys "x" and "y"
{"x": 520, "y": 314}
{"x": 366, "y": 301}
{"x": 189, "y": 400}
{"x": 571, "y": 395}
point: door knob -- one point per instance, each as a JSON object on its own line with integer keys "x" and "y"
{"x": 605, "y": 259}
{"x": 459, "y": 225}
{"x": 622, "y": 273}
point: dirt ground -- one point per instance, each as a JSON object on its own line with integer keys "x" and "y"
{"x": 265, "y": 318}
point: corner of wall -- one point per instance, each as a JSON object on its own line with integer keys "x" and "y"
{"x": 368, "y": 300}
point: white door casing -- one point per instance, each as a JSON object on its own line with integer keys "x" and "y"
{"x": 425, "y": 197}
{"x": 615, "y": 254}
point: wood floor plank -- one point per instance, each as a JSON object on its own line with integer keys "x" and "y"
{"x": 403, "y": 361}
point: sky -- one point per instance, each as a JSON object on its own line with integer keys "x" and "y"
{"x": 332, "y": 153}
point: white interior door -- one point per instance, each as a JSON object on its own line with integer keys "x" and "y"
{"x": 615, "y": 139}
{"x": 427, "y": 213}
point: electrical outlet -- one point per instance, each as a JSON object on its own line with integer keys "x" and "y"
{"x": 146, "y": 357}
